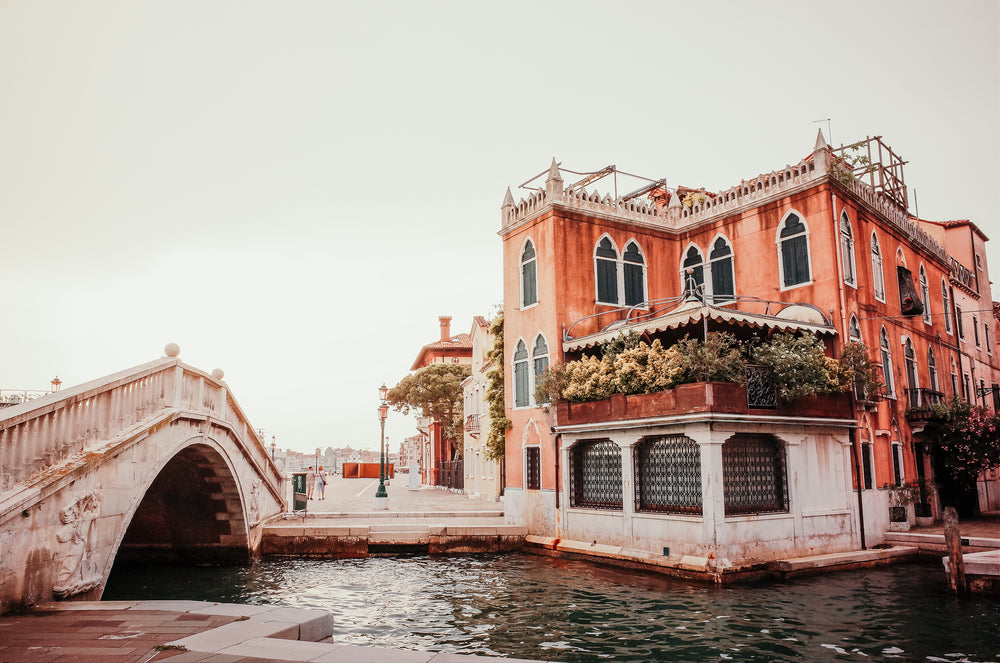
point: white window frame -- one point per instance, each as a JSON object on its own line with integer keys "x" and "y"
{"x": 621, "y": 274}
{"x": 946, "y": 304}
{"x": 522, "y": 263}
{"x": 925, "y": 295}
{"x": 532, "y": 358}
{"x": 513, "y": 375}
{"x": 847, "y": 250}
{"x": 708, "y": 262}
{"x": 878, "y": 275}
{"x": 702, "y": 264}
{"x": 885, "y": 355}
{"x": 852, "y": 324}
{"x": 616, "y": 261}
{"x": 779, "y": 242}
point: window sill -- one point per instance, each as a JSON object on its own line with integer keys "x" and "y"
{"x": 797, "y": 285}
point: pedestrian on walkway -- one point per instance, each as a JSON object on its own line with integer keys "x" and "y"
{"x": 320, "y": 483}
{"x": 310, "y": 482}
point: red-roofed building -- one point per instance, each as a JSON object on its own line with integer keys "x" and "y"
{"x": 447, "y": 349}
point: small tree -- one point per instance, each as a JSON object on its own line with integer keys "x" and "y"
{"x": 434, "y": 391}
{"x": 857, "y": 370}
{"x": 969, "y": 442}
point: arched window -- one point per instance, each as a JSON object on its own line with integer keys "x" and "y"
{"x": 932, "y": 372}
{"x": 721, "y": 261}
{"x": 954, "y": 378}
{"x": 668, "y": 475}
{"x": 529, "y": 276}
{"x": 521, "y": 378}
{"x": 634, "y": 268}
{"x": 753, "y": 474}
{"x": 946, "y": 302}
{"x": 925, "y": 295}
{"x": 886, "y": 350}
{"x": 847, "y": 249}
{"x": 878, "y": 278}
{"x": 912, "y": 380}
{"x": 606, "y": 269}
{"x": 595, "y": 468}
{"x": 854, "y": 330}
{"x": 793, "y": 252}
{"x": 540, "y": 359}
{"x": 867, "y": 460}
{"x": 693, "y": 272}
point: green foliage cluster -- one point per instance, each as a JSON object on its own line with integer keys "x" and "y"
{"x": 493, "y": 449}
{"x": 801, "y": 368}
{"x": 434, "y": 391}
{"x": 631, "y": 366}
{"x": 857, "y": 369}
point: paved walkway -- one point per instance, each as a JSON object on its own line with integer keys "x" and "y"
{"x": 357, "y": 496}
{"x": 189, "y": 632}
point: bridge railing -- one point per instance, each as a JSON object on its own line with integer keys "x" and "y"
{"x": 41, "y": 433}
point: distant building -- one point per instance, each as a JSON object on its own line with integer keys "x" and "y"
{"x": 452, "y": 350}
{"x": 482, "y": 476}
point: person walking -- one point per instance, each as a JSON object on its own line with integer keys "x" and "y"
{"x": 320, "y": 483}
{"x": 310, "y": 482}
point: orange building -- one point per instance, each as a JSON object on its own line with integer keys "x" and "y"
{"x": 447, "y": 349}
{"x": 819, "y": 246}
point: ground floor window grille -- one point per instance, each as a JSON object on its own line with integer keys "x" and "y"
{"x": 668, "y": 475}
{"x": 596, "y": 474}
{"x": 753, "y": 475}
{"x": 533, "y": 468}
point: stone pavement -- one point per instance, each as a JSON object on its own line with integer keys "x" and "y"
{"x": 189, "y": 632}
{"x": 357, "y": 496}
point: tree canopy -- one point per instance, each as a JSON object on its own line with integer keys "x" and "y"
{"x": 433, "y": 391}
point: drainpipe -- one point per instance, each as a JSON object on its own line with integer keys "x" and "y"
{"x": 558, "y": 439}
{"x": 853, "y": 432}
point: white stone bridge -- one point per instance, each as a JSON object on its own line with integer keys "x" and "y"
{"x": 155, "y": 462}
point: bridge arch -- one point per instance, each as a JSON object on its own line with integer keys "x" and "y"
{"x": 156, "y": 462}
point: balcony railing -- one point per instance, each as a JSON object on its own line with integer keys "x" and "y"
{"x": 472, "y": 424}
{"x": 923, "y": 398}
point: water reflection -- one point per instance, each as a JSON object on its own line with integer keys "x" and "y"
{"x": 550, "y": 609}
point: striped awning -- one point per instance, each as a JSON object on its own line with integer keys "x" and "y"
{"x": 794, "y": 317}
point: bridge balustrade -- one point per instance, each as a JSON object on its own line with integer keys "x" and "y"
{"x": 40, "y": 433}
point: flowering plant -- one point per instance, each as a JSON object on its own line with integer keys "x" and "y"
{"x": 970, "y": 441}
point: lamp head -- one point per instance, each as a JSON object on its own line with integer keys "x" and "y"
{"x": 383, "y": 391}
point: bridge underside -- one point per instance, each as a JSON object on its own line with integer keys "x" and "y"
{"x": 190, "y": 513}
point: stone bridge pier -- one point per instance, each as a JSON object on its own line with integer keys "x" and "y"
{"x": 153, "y": 463}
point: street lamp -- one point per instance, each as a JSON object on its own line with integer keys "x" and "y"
{"x": 273, "y": 445}
{"x": 383, "y": 412}
{"x": 317, "y": 461}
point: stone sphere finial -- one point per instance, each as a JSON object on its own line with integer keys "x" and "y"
{"x": 218, "y": 373}
{"x": 172, "y": 350}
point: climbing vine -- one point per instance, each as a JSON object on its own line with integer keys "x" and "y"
{"x": 499, "y": 423}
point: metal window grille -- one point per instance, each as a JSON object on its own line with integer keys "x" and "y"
{"x": 753, "y": 475}
{"x": 533, "y": 468}
{"x": 668, "y": 475}
{"x": 451, "y": 474}
{"x": 596, "y": 471}
{"x": 761, "y": 390}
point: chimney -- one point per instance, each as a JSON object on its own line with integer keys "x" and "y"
{"x": 445, "y": 321}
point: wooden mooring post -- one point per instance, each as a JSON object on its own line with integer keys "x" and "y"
{"x": 953, "y": 543}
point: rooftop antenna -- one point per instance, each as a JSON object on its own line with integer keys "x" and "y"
{"x": 829, "y": 132}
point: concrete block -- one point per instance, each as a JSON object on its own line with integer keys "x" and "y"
{"x": 278, "y": 650}
{"x": 233, "y": 609}
{"x": 313, "y": 624}
{"x": 359, "y": 654}
{"x": 217, "y": 639}
{"x": 694, "y": 563}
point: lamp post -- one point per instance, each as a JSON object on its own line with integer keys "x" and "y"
{"x": 317, "y": 461}
{"x": 381, "y": 497}
{"x": 273, "y": 445}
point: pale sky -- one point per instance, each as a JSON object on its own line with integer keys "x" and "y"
{"x": 294, "y": 191}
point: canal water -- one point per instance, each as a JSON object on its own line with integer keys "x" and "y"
{"x": 559, "y": 610}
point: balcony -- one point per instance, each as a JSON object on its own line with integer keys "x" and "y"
{"x": 923, "y": 398}
{"x": 698, "y": 397}
{"x": 472, "y": 425}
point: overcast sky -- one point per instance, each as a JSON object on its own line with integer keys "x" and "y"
{"x": 294, "y": 191}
